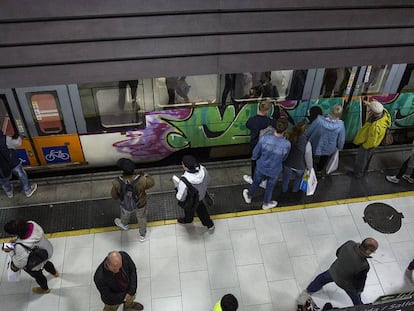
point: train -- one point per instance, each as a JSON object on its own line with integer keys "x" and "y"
{"x": 149, "y": 120}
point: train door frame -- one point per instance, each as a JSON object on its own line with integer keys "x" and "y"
{"x": 52, "y": 148}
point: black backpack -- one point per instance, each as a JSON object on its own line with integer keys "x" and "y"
{"x": 37, "y": 256}
{"x": 192, "y": 198}
{"x": 129, "y": 195}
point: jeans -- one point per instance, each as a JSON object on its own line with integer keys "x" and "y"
{"x": 287, "y": 172}
{"x": 404, "y": 168}
{"x": 362, "y": 160}
{"x": 141, "y": 214}
{"x": 325, "y": 278}
{"x": 271, "y": 182}
{"x": 19, "y": 172}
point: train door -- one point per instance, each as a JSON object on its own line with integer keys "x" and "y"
{"x": 11, "y": 124}
{"x": 50, "y": 122}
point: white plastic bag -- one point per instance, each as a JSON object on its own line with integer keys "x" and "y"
{"x": 333, "y": 163}
{"x": 12, "y": 276}
{"x": 312, "y": 183}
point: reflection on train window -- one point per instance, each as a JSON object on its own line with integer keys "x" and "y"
{"x": 407, "y": 80}
{"x": 116, "y": 104}
{"x": 182, "y": 90}
{"x": 6, "y": 124}
{"x": 282, "y": 84}
{"x": 335, "y": 81}
{"x": 374, "y": 79}
{"x": 45, "y": 108}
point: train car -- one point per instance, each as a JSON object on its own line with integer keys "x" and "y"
{"x": 148, "y": 120}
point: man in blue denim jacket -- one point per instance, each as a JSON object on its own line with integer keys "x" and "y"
{"x": 269, "y": 153}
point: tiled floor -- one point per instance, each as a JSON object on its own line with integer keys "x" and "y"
{"x": 264, "y": 260}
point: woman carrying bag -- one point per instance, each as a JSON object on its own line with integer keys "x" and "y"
{"x": 30, "y": 235}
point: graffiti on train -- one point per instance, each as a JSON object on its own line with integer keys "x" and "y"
{"x": 172, "y": 130}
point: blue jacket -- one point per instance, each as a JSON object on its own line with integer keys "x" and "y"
{"x": 269, "y": 153}
{"x": 326, "y": 135}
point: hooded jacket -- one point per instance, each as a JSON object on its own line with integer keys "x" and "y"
{"x": 199, "y": 180}
{"x": 326, "y": 135}
{"x": 371, "y": 134}
{"x": 37, "y": 237}
{"x": 107, "y": 285}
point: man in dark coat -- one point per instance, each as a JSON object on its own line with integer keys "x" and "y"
{"x": 116, "y": 280}
{"x": 349, "y": 270}
{"x": 11, "y": 164}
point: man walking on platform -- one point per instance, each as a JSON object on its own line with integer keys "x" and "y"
{"x": 116, "y": 281}
{"x": 349, "y": 270}
{"x": 270, "y": 152}
{"x": 131, "y": 189}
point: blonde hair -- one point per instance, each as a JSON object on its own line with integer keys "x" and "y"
{"x": 265, "y": 105}
{"x": 336, "y": 111}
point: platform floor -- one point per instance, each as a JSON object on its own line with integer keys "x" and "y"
{"x": 265, "y": 258}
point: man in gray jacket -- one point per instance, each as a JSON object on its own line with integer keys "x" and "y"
{"x": 349, "y": 271}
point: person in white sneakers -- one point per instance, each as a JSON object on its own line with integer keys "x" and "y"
{"x": 269, "y": 153}
{"x": 409, "y": 163}
{"x": 11, "y": 164}
{"x": 130, "y": 189}
{"x": 255, "y": 124}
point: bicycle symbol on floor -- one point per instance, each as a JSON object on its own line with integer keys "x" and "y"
{"x": 57, "y": 154}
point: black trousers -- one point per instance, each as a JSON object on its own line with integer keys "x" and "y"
{"x": 404, "y": 168}
{"x": 39, "y": 277}
{"x": 202, "y": 214}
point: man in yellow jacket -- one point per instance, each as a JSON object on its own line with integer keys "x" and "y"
{"x": 227, "y": 303}
{"x": 370, "y": 135}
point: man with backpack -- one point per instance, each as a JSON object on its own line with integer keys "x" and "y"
{"x": 130, "y": 189}
{"x": 191, "y": 190}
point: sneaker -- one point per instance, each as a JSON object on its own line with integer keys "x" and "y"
{"x": 142, "y": 238}
{"x": 408, "y": 178}
{"x": 32, "y": 189}
{"x": 263, "y": 184}
{"x": 246, "y": 196}
{"x": 39, "y": 290}
{"x": 392, "y": 179}
{"x": 9, "y": 194}
{"x": 182, "y": 221}
{"x": 211, "y": 229}
{"x": 303, "y": 296}
{"x": 56, "y": 275}
{"x": 135, "y": 306}
{"x": 119, "y": 224}
{"x": 248, "y": 179}
{"x": 269, "y": 205}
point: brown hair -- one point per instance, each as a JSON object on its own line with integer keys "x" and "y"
{"x": 296, "y": 131}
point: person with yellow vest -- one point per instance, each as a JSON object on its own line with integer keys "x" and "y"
{"x": 370, "y": 135}
{"x": 227, "y": 303}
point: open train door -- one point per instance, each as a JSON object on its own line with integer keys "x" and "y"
{"x": 11, "y": 123}
{"x": 49, "y": 119}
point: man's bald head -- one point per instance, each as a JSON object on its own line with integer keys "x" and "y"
{"x": 114, "y": 261}
{"x": 369, "y": 246}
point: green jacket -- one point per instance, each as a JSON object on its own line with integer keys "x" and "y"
{"x": 371, "y": 134}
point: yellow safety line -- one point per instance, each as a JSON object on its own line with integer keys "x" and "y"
{"x": 235, "y": 214}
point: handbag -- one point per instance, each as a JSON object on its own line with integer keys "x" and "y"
{"x": 333, "y": 162}
{"x": 208, "y": 200}
{"x": 37, "y": 256}
{"x": 312, "y": 183}
{"x": 12, "y": 276}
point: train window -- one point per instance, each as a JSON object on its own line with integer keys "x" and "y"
{"x": 5, "y": 122}
{"x": 407, "y": 80}
{"x": 335, "y": 81}
{"x": 374, "y": 79}
{"x": 185, "y": 90}
{"x": 46, "y": 113}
